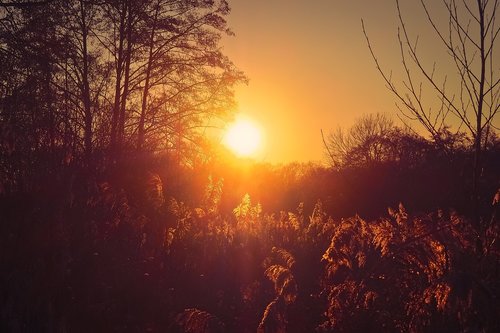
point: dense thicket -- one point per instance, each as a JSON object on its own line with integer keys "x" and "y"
{"x": 117, "y": 251}
{"x": 144, "y": 245}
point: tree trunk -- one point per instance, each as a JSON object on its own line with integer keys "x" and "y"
{"x": 145, "y": 93}
{"x": 123, "y": 104}
{"x": 86, "y": 87}
{"x": 118, "y": 88}
{"x": 479, "y": 115}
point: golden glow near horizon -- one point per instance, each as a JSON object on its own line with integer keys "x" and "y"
{"x": 310, "y": 69}
{"x": 243, "y": 137}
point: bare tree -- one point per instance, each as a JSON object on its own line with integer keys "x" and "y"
{"x": 473, "y": 99}
{"x": 80, "y": 66}
{"x": 361, "y": 144}
{"x": 183, "y": 77}
{"x": 114, "y": 74}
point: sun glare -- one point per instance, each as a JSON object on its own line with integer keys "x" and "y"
{"x": 243, "y": 137}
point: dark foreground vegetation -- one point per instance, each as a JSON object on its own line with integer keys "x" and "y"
{"x": 143, "y": 246}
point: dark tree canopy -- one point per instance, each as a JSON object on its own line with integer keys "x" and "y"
{"x": 84, "y": 77}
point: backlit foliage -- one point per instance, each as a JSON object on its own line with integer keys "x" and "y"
{"x": 279, "y": 271}
{"x": 196, "y": 321}
{"x": 246, "y": 212}
{"x": 122, "y": 251}
{"x": 420, "y": 267}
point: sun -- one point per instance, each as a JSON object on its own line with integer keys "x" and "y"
{"x": 243, "y": 137}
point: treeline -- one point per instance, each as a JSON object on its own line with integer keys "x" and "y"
{"x": 372, "y": 165}
{"x": 428, "y": 173}
{"x": 91, "y": 80}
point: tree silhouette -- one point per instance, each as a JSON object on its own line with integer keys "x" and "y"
{"x": 470, "y": 38}
{"x": 375, "y": 139}
{"x": 362, "y": 144}
{"x": 91, "y": 76}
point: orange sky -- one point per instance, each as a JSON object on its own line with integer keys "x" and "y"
{"x": 309, "y": 67}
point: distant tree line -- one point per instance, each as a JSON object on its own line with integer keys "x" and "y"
{"x": 378, "y": 156}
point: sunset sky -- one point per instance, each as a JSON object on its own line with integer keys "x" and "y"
{"x": 310, "y": 69}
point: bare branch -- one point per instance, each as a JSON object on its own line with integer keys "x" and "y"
{"x": 23, "y": 4}
{"x": 326, "y": 147}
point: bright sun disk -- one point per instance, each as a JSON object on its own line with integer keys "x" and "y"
{"x": 243, "y": 137}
